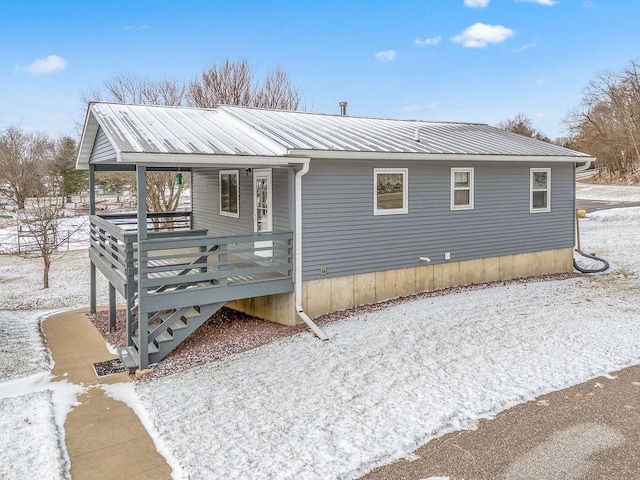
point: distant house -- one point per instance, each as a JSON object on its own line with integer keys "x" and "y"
{"x": 298, "y": 214}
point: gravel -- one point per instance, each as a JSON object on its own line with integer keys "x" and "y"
{"x": 229, "y": 332}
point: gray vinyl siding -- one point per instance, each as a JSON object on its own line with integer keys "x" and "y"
{"x": 341, "y": 232}
{"x": 102, "y": 151}
{"x": 206, "y": 202}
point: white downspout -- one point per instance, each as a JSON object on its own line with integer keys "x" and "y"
{"x": 298, "y": 264}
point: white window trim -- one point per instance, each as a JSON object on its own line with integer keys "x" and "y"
{"x": 531, "y": 190}
{"x": 468, "y": 170}
{"x": 405, "y": 191}
{"x": 237, "y": 174}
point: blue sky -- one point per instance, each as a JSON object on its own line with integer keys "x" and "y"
{"x": 463, "y": 60}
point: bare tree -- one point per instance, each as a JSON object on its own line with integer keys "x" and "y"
{"x": 163, "y": 194}
{"x": 523, "y": 125}
{"x": 607, "y": 123}
{"x": 130, "y": 88}
{"x": 277, "y": 92}
{"x": 23, "y": 163}
{"x": 229, "y": 84}
{"x": 42, "y": 219}
{"x": 233, "y": 83}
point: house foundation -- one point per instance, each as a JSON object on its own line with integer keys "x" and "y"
{"x": 339, "y": 293}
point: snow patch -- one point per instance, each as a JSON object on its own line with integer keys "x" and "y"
{"x": 29, "y": 440}
{"x": 22, "y": 349}
{"x": 111, "y": 349}
{"x": 63, "y": 393}
{"x": 21, "y": 283}
{"x": 36, "y": 401}
{"x": 610, "y": 193}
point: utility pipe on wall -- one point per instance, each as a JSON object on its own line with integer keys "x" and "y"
{"x": 298, "y": 273}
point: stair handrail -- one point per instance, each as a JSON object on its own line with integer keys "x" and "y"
{"x": 200, "y": 259}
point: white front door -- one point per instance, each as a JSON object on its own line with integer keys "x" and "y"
{"x": 262, "y": 208}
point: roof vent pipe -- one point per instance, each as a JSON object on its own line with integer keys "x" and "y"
{"x": 416, "y": 135}
{"x": 343, "y": 108}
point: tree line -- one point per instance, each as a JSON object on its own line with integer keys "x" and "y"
{"x": 605, "y": 125}
{"x": 38, "y": 172}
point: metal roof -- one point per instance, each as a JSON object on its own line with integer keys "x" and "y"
{"x": 154, "y": 129}
{"x": 312, "y": 131}
{"x": 227, "y": 131}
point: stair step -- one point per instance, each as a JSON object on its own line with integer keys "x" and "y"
{"x": 194, "y": 312}
{"x": 164, "y": 337}
{"x": 130, "y": 358}
{"x": 152, "y": 346}
{"x": 178, "y": 325}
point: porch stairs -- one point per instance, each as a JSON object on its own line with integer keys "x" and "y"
{"x": 166, "y": 330}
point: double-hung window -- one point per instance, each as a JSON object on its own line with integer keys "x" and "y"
{"x": 461, "y": 188}
{"x": 229, "y": 193}
{"x": 540, "y": 190}
{"x": 390, "y": 191}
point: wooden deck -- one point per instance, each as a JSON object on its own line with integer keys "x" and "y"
{"x": 172, "y": 281}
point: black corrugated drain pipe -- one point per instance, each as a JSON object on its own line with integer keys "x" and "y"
{"x": 605, "y": 264}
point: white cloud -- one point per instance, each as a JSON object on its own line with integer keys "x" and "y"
{"x": 386, "y": 55}
{"x": 428, "y": 41}
{"x": 479, "y": 35}
{"x": 589, "y": 4}
{"x": 50, "y": 64}
{"x": 134, "y": 27}
{"x": 549, "y": 3}
{"x": 526, "y": 46}
{"x": 476, "y": 3}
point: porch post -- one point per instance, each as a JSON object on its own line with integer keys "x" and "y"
{"x": 92, "y": 211}
{"x": 112, "y": 308}
{"x": 143, "y": 314}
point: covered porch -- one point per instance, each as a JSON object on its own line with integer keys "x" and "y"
{"x": 173, "y": 275}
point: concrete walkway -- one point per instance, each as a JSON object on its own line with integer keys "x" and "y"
{"x": 104, "y": 437}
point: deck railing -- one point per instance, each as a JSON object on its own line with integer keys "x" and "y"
{"x": 115, "y": 246}
{"x": 156, "y": 221}
{"x": 170, "y": 266}
{"x": 171, "y": 261}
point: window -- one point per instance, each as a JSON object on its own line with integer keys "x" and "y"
{"x": 229, "y": 193}
{"x": 390, "y": 192}
{"x": 540, "y": 197}
{"x": 461, "y": 188}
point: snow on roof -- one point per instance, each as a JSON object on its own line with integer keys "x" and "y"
{"x": 231, "y": 131}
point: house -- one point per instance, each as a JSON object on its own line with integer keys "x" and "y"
{"x": 298, "y": 214}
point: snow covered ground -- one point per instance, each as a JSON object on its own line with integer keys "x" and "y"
{"x": 76, "y": 229}
{"x": 389, "y": 381}
{"x": 611, "y": 193}
{"x": 386, "y": 382}
{"x": 32, "y": 407}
